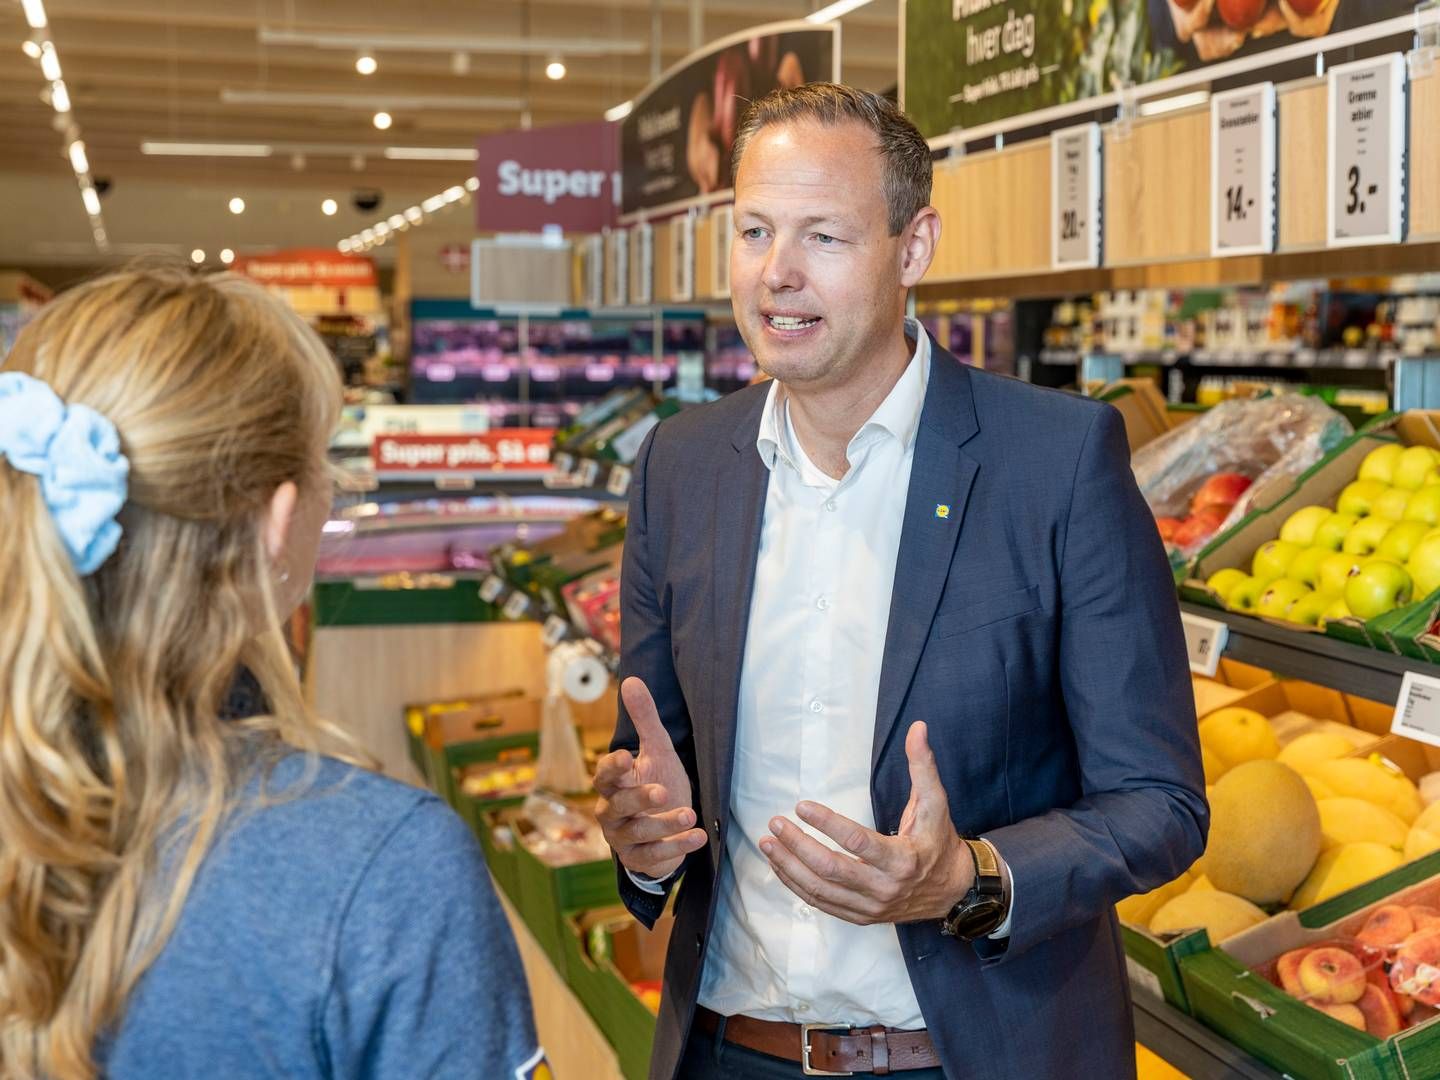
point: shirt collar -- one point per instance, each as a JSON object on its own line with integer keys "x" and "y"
{"x": 898, "y": 414}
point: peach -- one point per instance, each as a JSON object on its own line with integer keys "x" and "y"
{"x": 1387, "y": 927}
{"x": 1346, "y": 1014}
{"x": 1403, "y": 1002}
{"x": 1382, "y": 1014}
{"x": 1424, "y": 916}
{"x": 1416, "y": 970}
{"x": 1332, "y": 975}
{"x": 1287, "y": 970}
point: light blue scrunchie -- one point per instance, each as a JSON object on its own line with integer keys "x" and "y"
{"x": 84, "y": 478}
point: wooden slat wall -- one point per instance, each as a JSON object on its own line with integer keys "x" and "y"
{"x": 987, "y": 208}
{"x": 1425, "y": 157}
{"x": 704, "y": 257}
{"x": 1157, "y": 189}
{"x": 1301, "y": 166}
{"x": 664, "y": 251}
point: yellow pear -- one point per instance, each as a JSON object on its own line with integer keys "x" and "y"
{"x": 1343, "y": 868}
{"x": 1346, "y": 820}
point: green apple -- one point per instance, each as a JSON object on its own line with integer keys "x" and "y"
{"x": 1424, "y": 565}
{"x": 1299, "y": 527}
{"x": 1222, "y": 581}
{"x": 1392, "y": 504}
{"x": 1359, "y": 498}
{"x": 1424, "y": 505}
{"x": 1367, "y": 536}
{"x": 1305, "y": 567}
{"x": 1331, "y": 533}
{"x": 1379, "y": 464}
{"x": 1279, "y": 597}
{"x": 1337, "y": 610}
{"x": 1244, "y": 595}
{"x": 1413, "y": 465}
{"x": 1272, "y": 559}
{"x": 1335, "y": 571}
{"x": 1309, "y": 610}
{"x": 1401, "y": 540}
{"x": 1380, "y": 586}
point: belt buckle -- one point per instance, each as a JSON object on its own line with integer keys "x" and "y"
{"x": 805, "y": 1030}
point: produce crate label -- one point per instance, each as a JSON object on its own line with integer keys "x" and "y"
{"x": 517, "y": 606}
{"x": 1417, "y": 712}
{"x": 1076, "y": 197}
{"x": 1204, "y": 642}
{"x": 1369, "y": 125}
{"x": 491, "y": 589}
{"x": 1242, "y": 168}
{"x": 619, "y": 483}
{"x": 554, "y": 630}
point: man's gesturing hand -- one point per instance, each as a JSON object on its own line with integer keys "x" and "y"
{"x": 645, "y": 802}
{"x": 917, "y": 874}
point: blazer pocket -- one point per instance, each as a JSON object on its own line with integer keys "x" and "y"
{"x": 993, "y": 609}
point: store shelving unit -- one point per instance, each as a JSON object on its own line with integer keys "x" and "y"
{"x": 1189, "y": 1045}
{"x": 1334, "y": 359}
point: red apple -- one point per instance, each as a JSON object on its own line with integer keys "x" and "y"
{"x": 1168, "y": 527}
{"x": 1240, "y": 14}
{"x": 1201, "y": 525}
{"x": 1222, "y": 489}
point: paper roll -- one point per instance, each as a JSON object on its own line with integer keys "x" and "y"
{"x": 573, "y": 670}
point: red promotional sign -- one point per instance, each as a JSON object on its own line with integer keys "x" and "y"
{"x": 308, "y": 266}
{"x": 566, "y": 176}
{"x": 501, "y": 450}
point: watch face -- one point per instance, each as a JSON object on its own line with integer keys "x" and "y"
{"x": 978, "y": 919}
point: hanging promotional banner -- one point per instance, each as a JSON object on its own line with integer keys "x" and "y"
{"x": 971, "y": 62}
{"x": 500, "y": 450}
{"x": 567, "y": 176}
{"x": 677, "y": 141}
{"x": 307, "y": 266}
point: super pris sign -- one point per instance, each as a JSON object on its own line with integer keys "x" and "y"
{"x": 501, "y": 450}
{"x": 564, "y": 176}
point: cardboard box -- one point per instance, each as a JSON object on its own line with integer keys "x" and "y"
{"x": 1141, "y": 406}
{"x": 1371, "y": 716}
{"x": 1243, "y": 1006}
{"x": 496, "y": 830}
{"x": 607, "y": 952}
{"x": 480, "y": 727}
{"x": 1154, "y": 961}
{"x": 1320, "y": 485}
{"x": 549, "y": 893}
{"x": 1296, "y": 708}
{"x": 1231, "y": 682}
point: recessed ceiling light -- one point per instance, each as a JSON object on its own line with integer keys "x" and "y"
{"x": 345, "y": 245}
{"x": 237, "y": 205}
{"x": 382, "y": 120}
{"x": 619, "y": 112}
{"x": 34, "y": 13}
{"x": 414, "y": 215}
{"x": 197, "y": 256}
{"x": 91, "y": 200}
{"x": 78, "y": 161}
{"x": 555, "y": 69}
{"x": 365, "y": 64}
{"x": 60, "y": 97}
{"x": 328, "y": 207}
{"x": 166, "y": 148}
{"x": 49, "y": 62}
{"x": 30, "y": 48}
{"x": 227, "y": 256}
{"x": 472, "y": 184}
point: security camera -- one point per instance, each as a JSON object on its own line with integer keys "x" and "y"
{"x": 367, "y": 200}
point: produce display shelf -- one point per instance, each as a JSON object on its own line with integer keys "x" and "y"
{"x": 1330, "y": 359}
{"x": 516, "y": 605}
{"x": 1188, "y": 1045}
{"x": 1315, "y": 658}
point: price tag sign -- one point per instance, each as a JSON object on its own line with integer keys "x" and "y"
{"x": 564, "y": 462}
{"x": 1242, "y": 171}
{"x": 554, "y": 630}
{"x": 1075, "y": 197}
{"x": 517, "y": 606}
{"x": 619, "y": 483}
{"x": 1417, "y": 712}
{"x": 588, "y": 472}
{"x": 1367, "y": 153}
{"x": 1204, "y": 642}
{"x": 491, "y": 589}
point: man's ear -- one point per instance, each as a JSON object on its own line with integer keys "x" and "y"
{"x": 278, "y": 518}
{"x": 922, "y": 238}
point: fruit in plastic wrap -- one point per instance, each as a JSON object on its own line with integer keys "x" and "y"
{"x": 1264, "y": 832}
{"x": 1416, "y": 968}
{"x": 1387, "y": 926}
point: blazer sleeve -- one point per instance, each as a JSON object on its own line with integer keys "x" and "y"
{"x": 1142, "y": 818}
{"x": 645, "y": 653}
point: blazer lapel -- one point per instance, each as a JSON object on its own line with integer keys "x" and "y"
{"x": 741, "y": 482}
{"x": 941, "y": 477}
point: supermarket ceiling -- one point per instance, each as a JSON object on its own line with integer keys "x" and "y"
{"x": 283, "y": 74}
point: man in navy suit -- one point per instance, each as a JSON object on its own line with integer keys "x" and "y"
{"x": 906, "y": 708}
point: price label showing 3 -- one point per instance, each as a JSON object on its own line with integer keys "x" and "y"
{"x": 1368, "y": 152}
{"x": 1242, "y": 171}
{"x": 1204, "y": 642}
{"x": 1076, "y": 197}
{"x": 1417, "y": 712}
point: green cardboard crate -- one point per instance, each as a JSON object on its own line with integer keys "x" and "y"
{"x": 547, "y": 893}
{"x": 497, "y": 840}
{"x": 1154, "y": 961}
{"x": 1287, "y": 1034}
{"x": 519, "y": 749}
{"x": 466, "y": 730}
{"x": 605, "y": 952}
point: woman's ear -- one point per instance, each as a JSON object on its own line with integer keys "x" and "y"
{"x": 278, "y": 518}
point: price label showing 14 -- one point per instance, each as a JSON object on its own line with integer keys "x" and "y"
{"x": 1076, "y": 197}
{"x": 1242, "y": 170}
{"x": 1368, "y": 152}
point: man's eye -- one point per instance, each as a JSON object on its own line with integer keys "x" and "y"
{"x": 825, "y": 238}
{"x": 753, "y": 234}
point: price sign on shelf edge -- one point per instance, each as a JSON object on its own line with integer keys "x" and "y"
{"x": 1076, "y": 197}
{"x": 1417, "y": 711}
{"x": 1242, "y": 171}
{"x": 1368, "y": 120}
{"x": 1205, "y": 640}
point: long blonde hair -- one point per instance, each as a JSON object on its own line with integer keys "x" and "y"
{"x": 116, "y": 768}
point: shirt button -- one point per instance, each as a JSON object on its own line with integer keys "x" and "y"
{"x": 816, "y": 707}
{"x": 822, "y": 604}
{"x": 802, "y": 1006}
{"x": 831, "y": 505}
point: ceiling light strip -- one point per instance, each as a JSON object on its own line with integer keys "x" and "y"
{"x": 494, "y": 44}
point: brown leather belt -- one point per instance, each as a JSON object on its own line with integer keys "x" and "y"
{"x": 827, "y": 1049}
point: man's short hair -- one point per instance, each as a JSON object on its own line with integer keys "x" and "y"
{"x": 906, "y": 155}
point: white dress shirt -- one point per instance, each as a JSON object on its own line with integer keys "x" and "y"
{"x": 806, "y": 721}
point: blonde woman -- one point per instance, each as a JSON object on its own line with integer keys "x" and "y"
{"x": 185, "y": 891}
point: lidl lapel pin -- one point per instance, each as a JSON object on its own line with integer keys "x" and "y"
{"x": 942, "y": 511}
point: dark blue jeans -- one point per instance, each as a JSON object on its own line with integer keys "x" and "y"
{"x": 710, "y": 1057}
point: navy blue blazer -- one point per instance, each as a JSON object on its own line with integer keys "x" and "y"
{"x": 1036, "y": 631}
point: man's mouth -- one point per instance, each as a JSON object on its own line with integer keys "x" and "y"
{"x": 791, "y": 322}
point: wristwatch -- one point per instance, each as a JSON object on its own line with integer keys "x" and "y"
{"x": 982, "y": 909}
